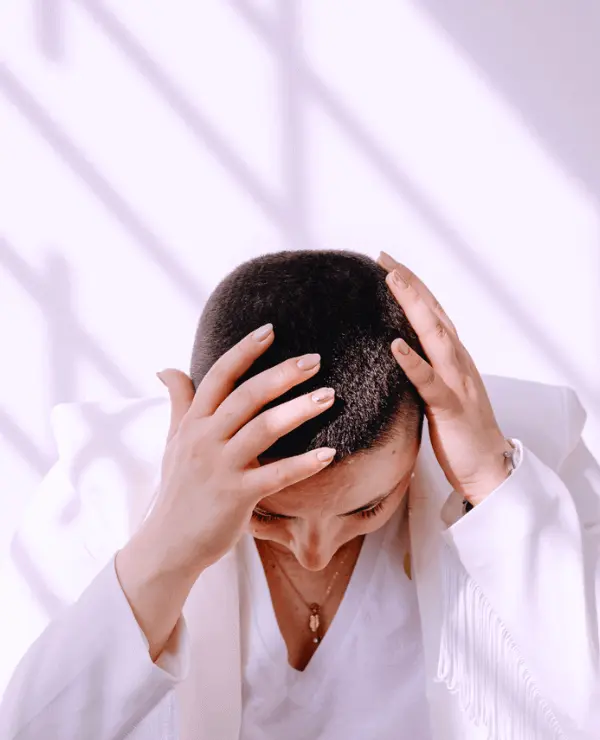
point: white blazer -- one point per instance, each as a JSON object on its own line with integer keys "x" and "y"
{"x": 508, "y": 594}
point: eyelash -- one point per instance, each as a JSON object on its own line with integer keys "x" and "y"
{"x": 367, "y": 514}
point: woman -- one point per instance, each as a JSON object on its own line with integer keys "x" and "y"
{"x": 298, "y": 528}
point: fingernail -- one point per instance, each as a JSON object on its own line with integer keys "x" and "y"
{"x": 323, "y": 395}
{"x": 388, "y": 262}
{"x": 325, "y": 454}
{"x": 160, "y": 377}
{"x": 307, "y": 362}
{"x": 399, "y": 345}
{"x": 263, "y": 332}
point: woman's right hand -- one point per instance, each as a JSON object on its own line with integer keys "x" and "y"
{"x": 211, "y": 478}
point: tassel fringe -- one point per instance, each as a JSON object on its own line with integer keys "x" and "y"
{"x": 481, "y": 664}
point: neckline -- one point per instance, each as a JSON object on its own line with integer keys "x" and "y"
{"x": 302, "y": 685}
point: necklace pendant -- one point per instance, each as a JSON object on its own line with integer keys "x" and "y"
{"x": 314, "y": 621}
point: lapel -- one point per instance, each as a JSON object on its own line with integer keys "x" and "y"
{"x": 428, "y": 498}
{"x": 209, "y": 698}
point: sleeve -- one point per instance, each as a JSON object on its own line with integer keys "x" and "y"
{"x": 531, "y": 552}
{"x": 89, "y": 673}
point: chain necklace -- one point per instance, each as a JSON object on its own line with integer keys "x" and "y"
{"x": 314, "y": 620}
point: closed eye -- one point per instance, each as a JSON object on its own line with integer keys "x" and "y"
{"x": 265, "y": 517}
{"x": 368, "y": 513}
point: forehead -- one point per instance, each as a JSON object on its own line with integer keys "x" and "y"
{"x": 350, "y": 484}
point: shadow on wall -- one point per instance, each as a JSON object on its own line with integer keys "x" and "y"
{"x": 350, "y": 126}
{"x": 97, "y": 184}
{"x": 487, "y": 33}
{"x": 544, "y": 58}
{"x": 543, "y": 63}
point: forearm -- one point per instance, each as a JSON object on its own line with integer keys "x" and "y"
{"x": 155, "y": 588}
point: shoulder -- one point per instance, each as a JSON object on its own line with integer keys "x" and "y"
{"x": 547, "y": 418}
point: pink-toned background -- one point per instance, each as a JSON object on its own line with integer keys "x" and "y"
{"x": 147, "y": 147}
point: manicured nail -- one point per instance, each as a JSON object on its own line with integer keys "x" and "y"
{"x": 307, "y": 362}
{"x": 263, "y": 332}
{"x": 388, "y": 262}
{"x": 325, "y": 454}
{"x": 160, "y": 377}
{"x": 323, "y": 395}
{"x": 399, "y": 345}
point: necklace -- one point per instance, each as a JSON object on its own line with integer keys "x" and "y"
{"x": 314, "y": 620}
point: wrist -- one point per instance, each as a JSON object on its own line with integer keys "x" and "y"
{"x": 491, "y": 477}
{"x": 477, "y": 492}
{"x": 155, "y": 588}
{"x": 159, "y": 557}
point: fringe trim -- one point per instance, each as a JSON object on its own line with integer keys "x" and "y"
{"x": 482, "y": 665}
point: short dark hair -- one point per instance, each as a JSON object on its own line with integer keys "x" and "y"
{"x": 335, "y": 303}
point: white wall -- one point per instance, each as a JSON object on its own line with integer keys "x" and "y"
{"x": 148, "y": 147}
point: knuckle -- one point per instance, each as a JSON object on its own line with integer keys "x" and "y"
{"x": 266, "y": 427}
{"x": 249, "y": 393}
{"x": 282, "y": 374}
{"x": 440, "y": 330}
{"x": 275, "y": 480}
{"x": 279, "y": 477}
{"x": 415, "y": 361}
{"x": 429, "y": 378}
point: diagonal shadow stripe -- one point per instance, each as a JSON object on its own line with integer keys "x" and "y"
{"x": 21, "y": 443}
{"x": 41, "y": 121}
{"x": 507, "y": 300}
{"x": 87, "y": 346}
{"x": 274, "y": 208}
{"x": 350, "y": 124}
{"x": 48, "y": 19}
{"x": 543, "y": 62}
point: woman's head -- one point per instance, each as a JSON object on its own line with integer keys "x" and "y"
{"x": 337, "y": 304}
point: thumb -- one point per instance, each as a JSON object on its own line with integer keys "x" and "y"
{"x": 181, "y": 394}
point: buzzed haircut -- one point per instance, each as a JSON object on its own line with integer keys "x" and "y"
{"x": 335, "y": 303}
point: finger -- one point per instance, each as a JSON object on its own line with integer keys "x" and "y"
{"x": 386, "y": 261}
{"x": 390, "y": 264}
{"x": 220, "y": 380}
{"x": 438, "y": 342}
{"x": 275, "y": 476}
{"x": 246, "y": 401}
{"x": 421, "y": 374}
{"x": 181, "y": 394}
{"x": 259, "y": 434}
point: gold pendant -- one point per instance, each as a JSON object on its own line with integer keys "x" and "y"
{"x": 315, "y": 621}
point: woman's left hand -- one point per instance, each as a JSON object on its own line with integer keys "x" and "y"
{"x": 465, "y": 435}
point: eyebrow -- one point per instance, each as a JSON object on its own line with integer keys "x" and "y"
{"x": 371, "y": 504}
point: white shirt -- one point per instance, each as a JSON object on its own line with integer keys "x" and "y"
{"x": 366, "y": 679}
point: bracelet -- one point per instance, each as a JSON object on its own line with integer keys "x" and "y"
{"x": 511, "y": 464}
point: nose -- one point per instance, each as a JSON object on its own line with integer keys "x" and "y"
{"x": 313, "y": 549}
